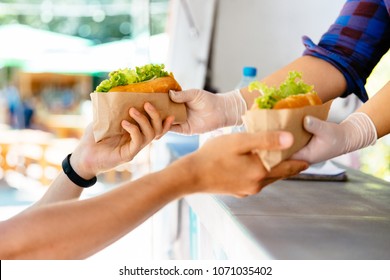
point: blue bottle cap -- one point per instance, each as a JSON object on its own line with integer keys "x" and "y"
{"x": 249, "y": 71}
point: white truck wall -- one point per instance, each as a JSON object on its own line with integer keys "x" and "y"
{"x": 264, "y": 33}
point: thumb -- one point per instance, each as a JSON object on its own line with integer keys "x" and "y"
{"x": 183, "y": 96}
{"x": 272, "y": 140}
{"x": 177, "y": 128}
{"x": 313, "y": 125}
{"x": 303, "y": 154}
{"x": 316, "y": 127}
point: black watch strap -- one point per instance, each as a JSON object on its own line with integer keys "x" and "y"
{"x": 74, "y": 177}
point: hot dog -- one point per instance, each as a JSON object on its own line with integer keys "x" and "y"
{"x": 292, "y": 93}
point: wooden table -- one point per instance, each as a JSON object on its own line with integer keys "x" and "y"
{"x": 66, "y": 126}
{"x": 22, "y": 148}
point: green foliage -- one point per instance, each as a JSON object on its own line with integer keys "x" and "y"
{"x": 127, "y": 76}
{"x": 270, "y": 95}
{"x": 375, "y": 160}
{"x": 110, "y": 27}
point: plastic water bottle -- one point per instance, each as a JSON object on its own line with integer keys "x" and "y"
{"x": 249, "y": 74}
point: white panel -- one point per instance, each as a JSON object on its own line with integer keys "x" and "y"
{"x": 264, "y": 33}
{"x": 191, "y": 28}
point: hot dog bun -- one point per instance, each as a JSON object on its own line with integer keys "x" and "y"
{"x": 297, "y": 101}
{"x": 162, "y": 84}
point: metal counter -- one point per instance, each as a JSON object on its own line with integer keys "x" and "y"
{"x": 296, "y": 220}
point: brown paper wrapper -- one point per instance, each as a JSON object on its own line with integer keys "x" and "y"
{"x": 109, "y": 109}
{"x": 283, "y": 119}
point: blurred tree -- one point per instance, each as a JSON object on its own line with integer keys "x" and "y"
{"x": 99, "y": 20}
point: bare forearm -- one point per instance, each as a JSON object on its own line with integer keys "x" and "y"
{"x": 377, "y": 109}
{"x": 328, "y": 81}
{"x": 62, "y": 188}
{"x": 78, "y": 229}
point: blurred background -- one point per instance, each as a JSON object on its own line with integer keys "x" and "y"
{"x": 54, "y": 53}
{"x": 52, "y": 56}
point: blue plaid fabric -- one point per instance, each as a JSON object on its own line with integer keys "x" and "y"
{"x": 356, "y": 42}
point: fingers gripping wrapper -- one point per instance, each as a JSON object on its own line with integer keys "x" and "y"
{"x": 284, "y": 108}
{"x": 129, "y": 88}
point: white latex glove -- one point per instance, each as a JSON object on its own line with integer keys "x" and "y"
{"x": 330, "y": 139}
{"x": 207, "y": 111}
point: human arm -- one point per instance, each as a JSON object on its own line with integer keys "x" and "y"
{"x": 90, "y": 158}
{"x": 345, "y": 56}
{"x": 361, "y": 129}
{"x": 378, "y": 111}
{"x": 207, "y": 111}
{"x": 348, "y": 50}
{"x": 328, "y": 81}
{"x": 77, "y": 229}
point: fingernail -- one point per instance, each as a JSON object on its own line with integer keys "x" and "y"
{"x": 308, "y": 121}
{"x": 303, "y": 167}
{"x": 125, "y": 123}
{"x": 172, "y": 93}
{"x": 149, "y": 107}
{"x": 285, "y": 139}
{"x": 135, "y": 112}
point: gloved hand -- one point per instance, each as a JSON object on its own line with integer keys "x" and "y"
{"x": 330, "y": 139}
{"x": 207, "y": 111}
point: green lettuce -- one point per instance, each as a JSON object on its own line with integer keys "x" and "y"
{"x": 270, "y": 95}
{"x": 128, "y": 76}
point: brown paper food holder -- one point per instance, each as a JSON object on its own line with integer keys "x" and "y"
{"x": 283, "y": 119}
{"x": 109, "y": 109}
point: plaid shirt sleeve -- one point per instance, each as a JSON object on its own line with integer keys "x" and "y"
{"x": 355, "y": 42}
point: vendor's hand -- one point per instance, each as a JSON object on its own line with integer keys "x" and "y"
{"x": 90, "y": 158}
{"x": 331, "y": 139}
{"x": 207, "y": 111}
{"x": 228, "y": 164}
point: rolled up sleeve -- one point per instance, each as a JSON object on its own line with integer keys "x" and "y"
{"x": 355, "y": 43}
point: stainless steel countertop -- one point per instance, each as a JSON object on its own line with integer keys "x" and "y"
{"x": 302, "y": 220}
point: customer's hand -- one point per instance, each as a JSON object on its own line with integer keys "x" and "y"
{"x": 228, "y": 164}
{"x": 207, "y": 111}
{"x": 90, "y": 158}
{"x": 331, "y": 139}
